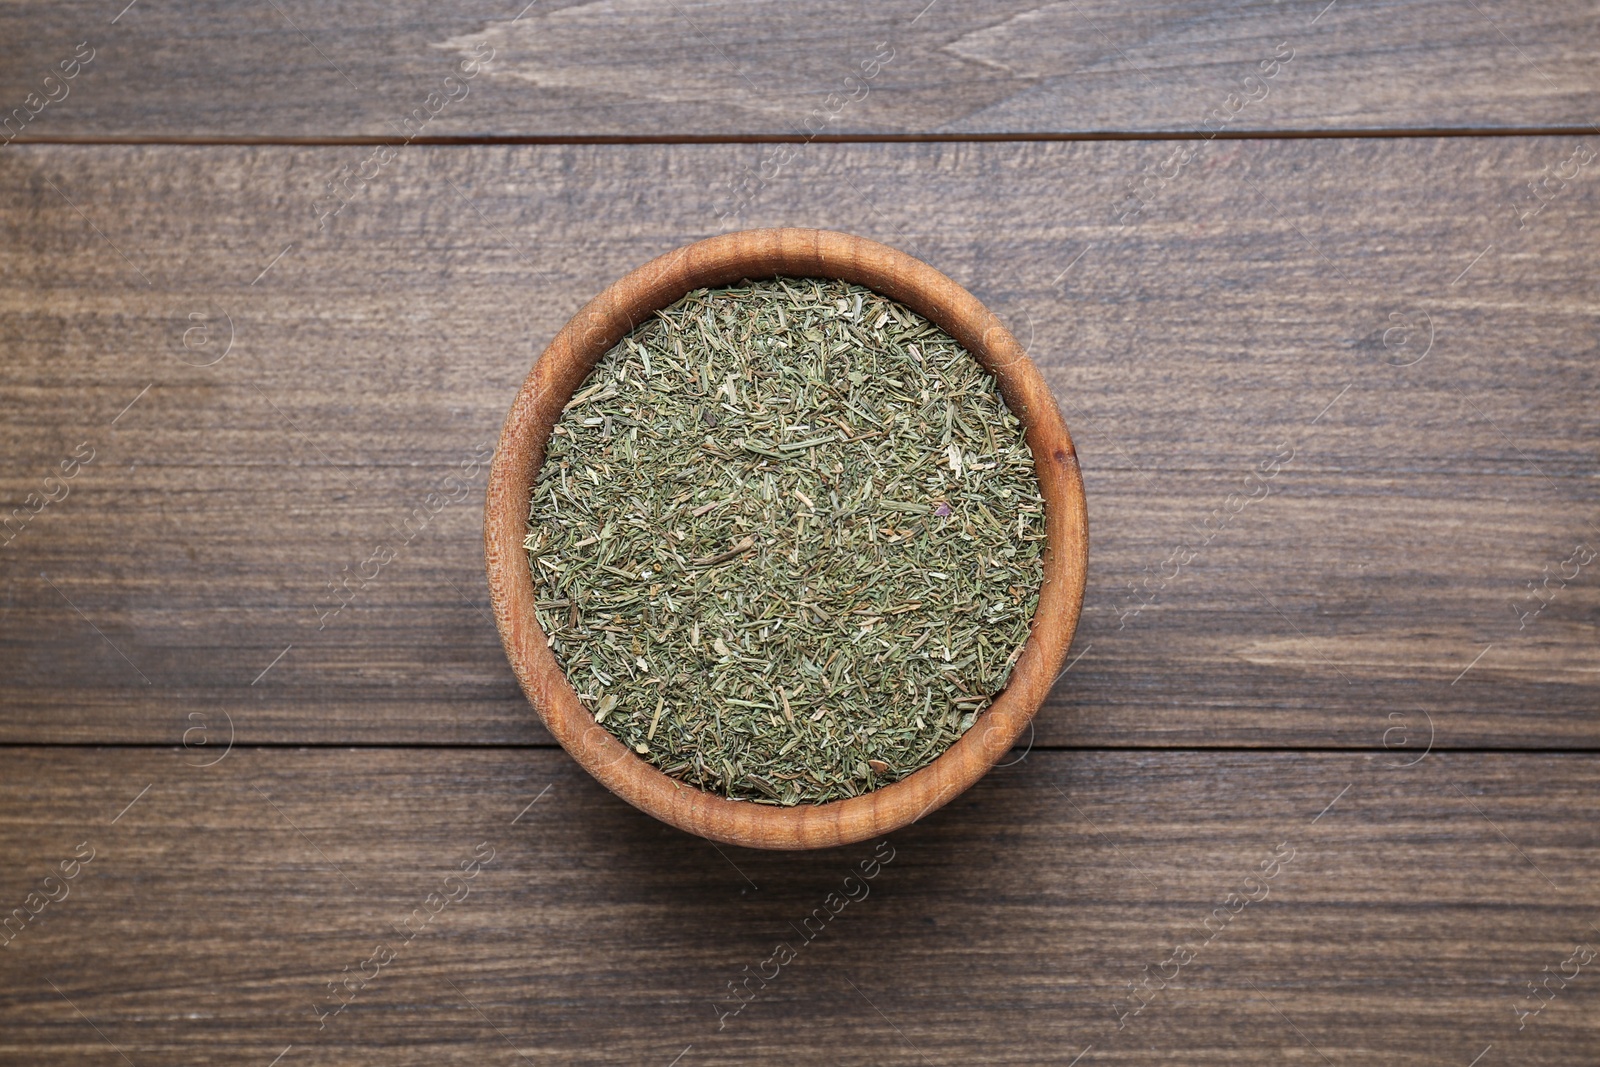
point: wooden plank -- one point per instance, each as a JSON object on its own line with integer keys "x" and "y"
{"x": 1021, "y": 925}
{"x": 642, "y": 68}
{"x": 1382, "y": 309}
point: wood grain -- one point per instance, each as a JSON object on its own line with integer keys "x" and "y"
{"x": 644, "y": 68}
{"x": 1333, "y": 400}
{"x": 1251, "y": 309}
{"x": 1407, "y": 913}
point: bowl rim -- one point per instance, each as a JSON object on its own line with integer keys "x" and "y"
{"x": 557, "y": 374}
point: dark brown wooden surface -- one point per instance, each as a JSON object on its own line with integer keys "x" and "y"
{"x": 1411, "y": 908}
{"x": 1342, "y": 659}
{"x": 1245, "y": 316}
{"x": 291, "y": 68}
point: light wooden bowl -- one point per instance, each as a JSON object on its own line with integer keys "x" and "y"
{"x": 558, "y": 373}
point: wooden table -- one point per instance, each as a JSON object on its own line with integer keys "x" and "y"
{"x": 1314, "y": 284}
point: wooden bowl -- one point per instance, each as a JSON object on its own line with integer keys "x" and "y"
{"x": 558, "y": 373}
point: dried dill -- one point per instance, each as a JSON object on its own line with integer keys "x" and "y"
{"x": 787, "y": 540}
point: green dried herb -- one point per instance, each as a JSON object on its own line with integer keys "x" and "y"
{"x": 787, "y": 540}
